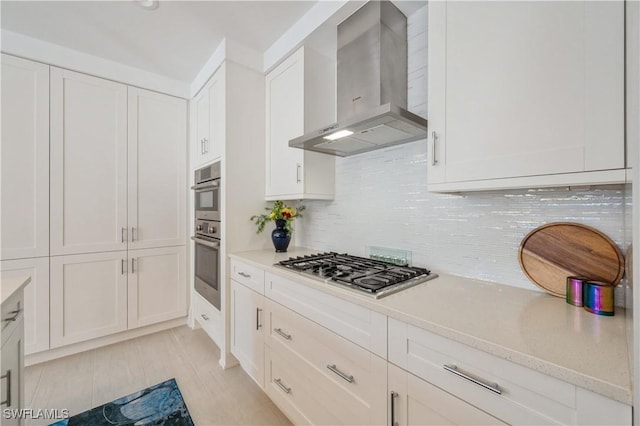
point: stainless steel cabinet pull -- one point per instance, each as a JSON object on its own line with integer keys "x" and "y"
{"x": 433, "y": 149}
{"x": 392, "y": 403}
{"x": 493, "y": 387}
{"x": 258, "y": 325}
{"x": 281, "y": 386}
{"x": 204, "y": 317}
{"x": 133, "y": 265}
{"x": 205, "y": 143}
{"x": 15, "y": 313}
{"x": 123, "y": 270}
{"x": 202, "y": 146}
{"x": 244, "y": 275}
{"x": 123, "y": 235}
{"x": 282, "y": 333}
{"x": 133, "y": 235}
{"x": 333, "y": 368}
{"x": 298, "y": 170}
{"x": 7, "y": 401}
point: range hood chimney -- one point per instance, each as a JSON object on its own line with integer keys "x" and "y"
{"x": 371, "y": 86}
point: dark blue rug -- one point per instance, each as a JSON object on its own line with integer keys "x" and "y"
{"x": 161, "y": 404}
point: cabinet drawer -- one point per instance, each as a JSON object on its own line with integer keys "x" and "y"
{"x": 248, "y": 275}
{"x": 528, "y": 397}
{"x": 360, "y": 325}
{"x": 207, "y": 316}
{"x": 349, "y": 369}
{"x": 12, "y": 314}
{"x": 292, "y": 381}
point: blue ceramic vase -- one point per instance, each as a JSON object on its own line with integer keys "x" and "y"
{"x": 280, "y": 236}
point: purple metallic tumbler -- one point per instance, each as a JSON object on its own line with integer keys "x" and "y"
{"x": 574, "y": 290}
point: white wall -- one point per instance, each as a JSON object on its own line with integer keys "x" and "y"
{"x": 381, "y": 200}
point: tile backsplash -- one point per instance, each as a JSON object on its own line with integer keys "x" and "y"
{"x": 382, "y": 200}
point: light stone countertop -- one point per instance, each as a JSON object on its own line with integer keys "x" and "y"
{"x": 12, "y": 284}
{"x": 530, "y": 328}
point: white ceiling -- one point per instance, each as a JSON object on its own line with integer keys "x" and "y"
{"x": 175, "y": 40}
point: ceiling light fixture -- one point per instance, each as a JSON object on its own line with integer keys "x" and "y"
{"x": 148, "y": 4}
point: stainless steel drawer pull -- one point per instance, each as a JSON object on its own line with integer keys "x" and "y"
{"x": 282, "y": 386}
{"x": 133, "y": 265}
{"x": 7, "y": 401}
{"x": 258, "y": 325}
{"x": 123, "y": 235}
{"x": 242, "y": 274}
{"x": 133, "y": 235}
{"x": 392, "y": 403}
{"x": 333, "y": 368}
{"x": 282, "y": 333}
{"x": 15, "y": 316}
{"x": 123, "y": 263}
{"x": 493, "y": 387}
{"x": 298, "y": 170}
{"x": 204, "y": 317}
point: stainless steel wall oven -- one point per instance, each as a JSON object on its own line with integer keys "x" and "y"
{"x": 207, "y": 233}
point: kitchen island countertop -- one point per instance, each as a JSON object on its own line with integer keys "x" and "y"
{"x": 12, "y": 284}
{"x": 527, "y": 327}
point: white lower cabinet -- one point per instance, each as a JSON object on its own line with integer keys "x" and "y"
{"x": 247, "y": 330}
{"x": 413, "y": 401}
{"x": 157, "y": 285}
{"x": 36, "y": 300}
{"x": 88, "y": 296}
{"x": 337, "y": 381}
{"x": 12, "y": 349}
{"x": 509, "y": 392}
{"x": 98, "y": 294}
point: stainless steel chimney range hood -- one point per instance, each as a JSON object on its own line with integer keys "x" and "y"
{"x": 371, "y": 86}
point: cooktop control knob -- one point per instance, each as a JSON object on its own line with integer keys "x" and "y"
{"x": 212, "y": 230}
{"x": 199, "y": 228}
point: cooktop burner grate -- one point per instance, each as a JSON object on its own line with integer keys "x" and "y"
{"x": 365, "y": 275}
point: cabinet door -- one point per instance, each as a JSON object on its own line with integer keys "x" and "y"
{"x": 88, "y": 296}
{"x": 157, "y": 285}
{"x": 209, "y": 117}
{"x": 24, "y": 173}
{"x": 36, "y": 300}
{"x": 157, "y": 169}
{"x": 413, "y": 401}
{"x": 12, "y": 383}
{"x": 88, "y": 164}
{"x": 247, "y": 333}
{"x": 285, "y": 121}
{"x": 523, "y": 89}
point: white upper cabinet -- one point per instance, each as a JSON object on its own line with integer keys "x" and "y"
{"x": 88, "y": 164}
{"x": 525, "y": 94}
{"x": 207, "y": 110}
{"x": 157, "y": 165}
{"x": 300, "y": 97}
{"x": 25, "y": 158}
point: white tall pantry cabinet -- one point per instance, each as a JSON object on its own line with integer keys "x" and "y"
{"x": 25, "y": 190}
{"x": 118, "y": 207}
{"x": 105, "y": 165}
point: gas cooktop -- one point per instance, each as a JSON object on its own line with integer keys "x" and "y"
{"x": 372, "y": 277}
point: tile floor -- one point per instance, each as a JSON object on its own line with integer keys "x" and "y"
{"x": 213, "y": 396}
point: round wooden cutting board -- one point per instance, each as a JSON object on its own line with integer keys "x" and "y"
{"x": 551, "y": 253}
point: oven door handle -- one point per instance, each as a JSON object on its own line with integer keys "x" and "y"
{"x": 205, "y": 242}
{"x": 214, "y": 184}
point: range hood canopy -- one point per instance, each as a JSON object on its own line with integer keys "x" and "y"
{"x": 371, "y": 86}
